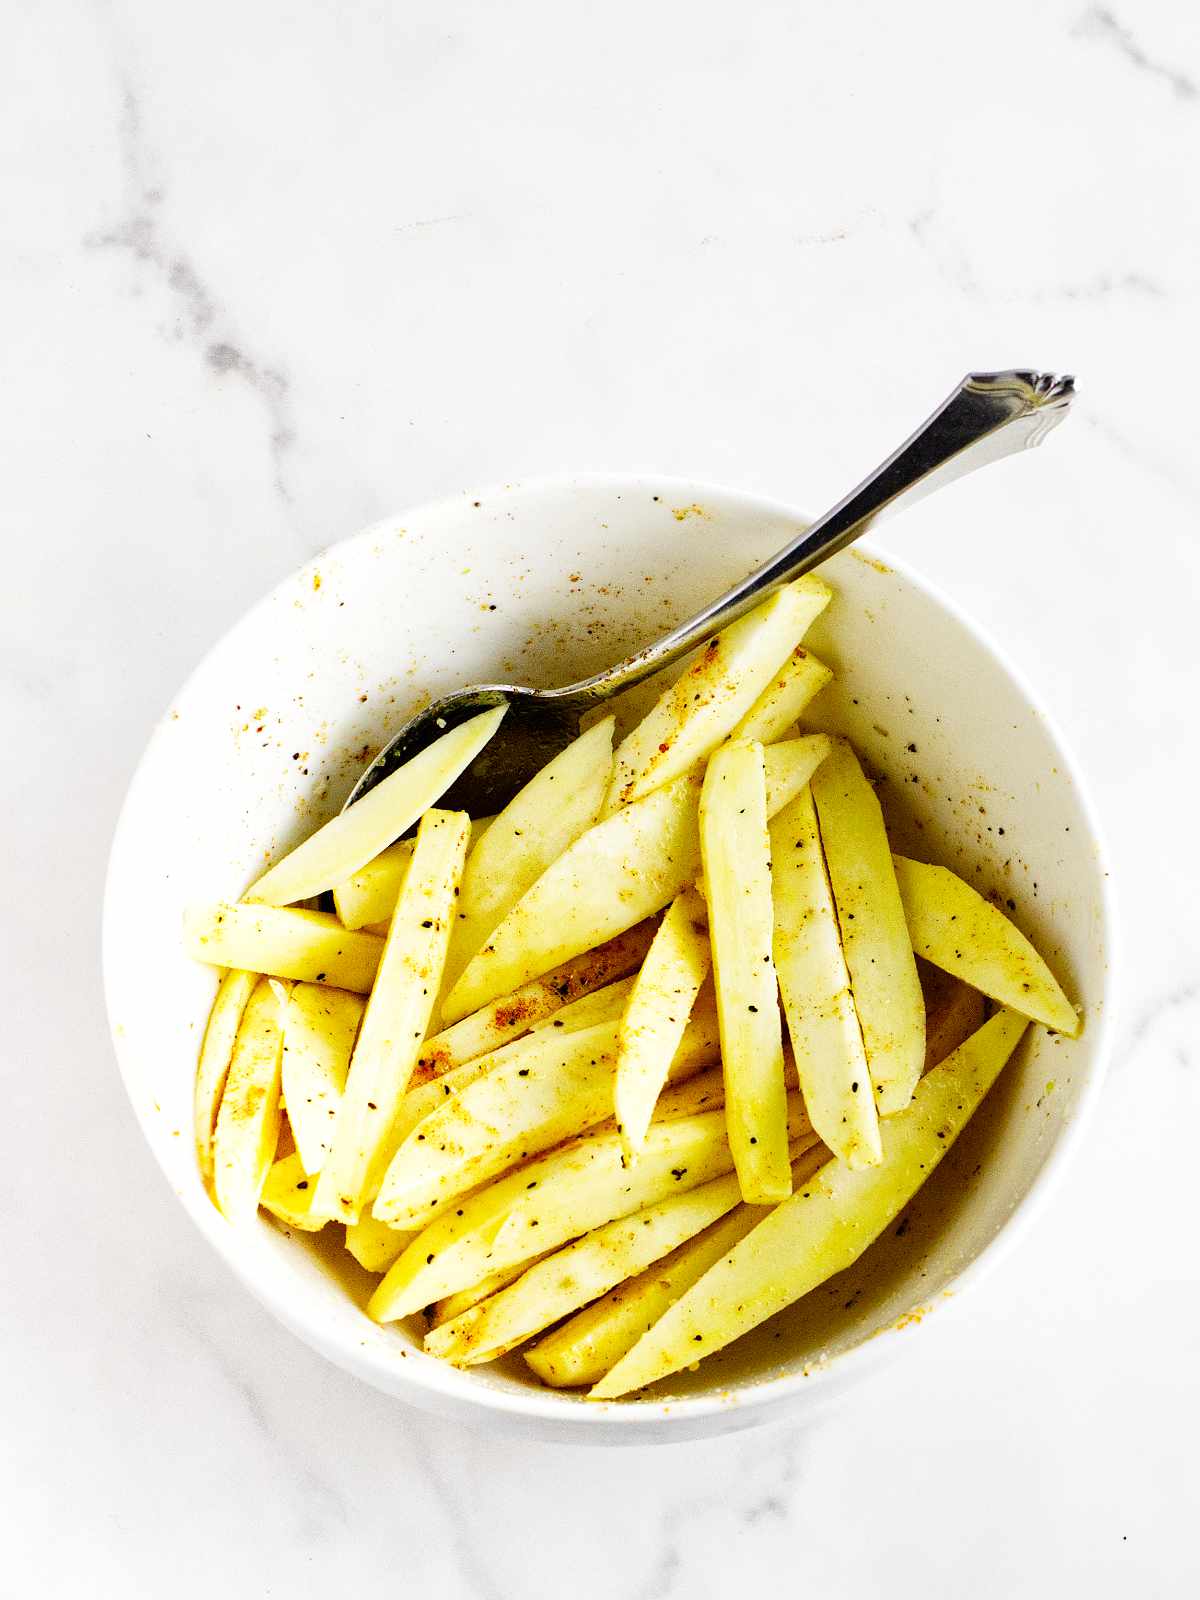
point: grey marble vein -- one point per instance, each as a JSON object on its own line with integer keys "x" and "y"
{"x": 142, "y": 232}
{"x": 1098, "y": 22}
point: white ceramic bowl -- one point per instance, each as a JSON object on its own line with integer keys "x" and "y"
{"x": 542, "y": 583}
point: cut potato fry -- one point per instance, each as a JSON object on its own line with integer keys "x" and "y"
{"x": 622, "y": 870}
{"x": 374, "y": 1245}
{"x": 580, "y": 1352}
{"x": 826, "y": 1225}
{"x": 698, "y": 711}
{"x": 288, "y": 1195}
{"x": 558, "y": 804}
{"x": 737, "y": 872}
{"x": 578, "y": 1273}
{"x": 396, "y": 1017}
{"x": 554, "y": 1086}
{"x": 355, "y": 836}
{"x": 883, "y": 973}
{"x": 308, "y": 946}
{"x": 514, "y": 1014}
{"x": 319, "y": 1029}
{"x": 815, "y": 985}
{"x": 953, "y": 926}
{"x": 216, "y": 1053}
{"x": 368, "y": 897}
{"x": 602, "y": 1005}
{"x": 798, "y": 681}
{"x": 455, "y": 1304}
{"x": 248, "y": 1121}
{"x": 660, "y": 1001}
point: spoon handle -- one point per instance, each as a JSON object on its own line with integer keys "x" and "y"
{"x": 988, "y": 416}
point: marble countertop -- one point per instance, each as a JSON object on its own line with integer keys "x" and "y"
{"x": 273, "y": 271}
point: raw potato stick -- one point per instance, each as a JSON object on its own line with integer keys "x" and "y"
{"x": 216, "y": 1052}
{"x": 396, "y": 1017}
{"x": 883, "y": 973}
{"x": 374, "y": 1245}
{"x": 954, "y": 927}
{"x": 578, "y": 1273}
{"x": 826, "y": 1225}
{"x": 514, "y": 1014}
{"x": 815, "y": 985}
{"x": 248, "y": 1121}
{"x": 700, "y": 709}
{"x": 624, "y": 869}
{"x": 660, "y": 1001}
{"x": 352, "y": 838}
{"x": 798, "y": 681}
{"x": 580, "y": 1352}
{"x": 602, "y": 1005}
{"x": 319, "y": 1029}
{"x": 288, "y": 1195}
{"x": 558, "y": 804}
{"x": 308, "y": 946}
{"x": 737, "y": 872}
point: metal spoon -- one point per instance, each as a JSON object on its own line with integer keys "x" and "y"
{"x": 988, "y": 416}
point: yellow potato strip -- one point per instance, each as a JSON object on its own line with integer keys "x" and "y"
{"x": 308, "y": 946}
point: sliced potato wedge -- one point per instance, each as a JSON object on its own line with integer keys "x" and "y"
{"x": 883, "y": 973}
{"x": 374, "y": 1245}
{"x": 308, "y": 946}
{"x": 396, "y": 1017}
{"x": 554, "y": 1086}
{"x": 953, "y": 926}
{"x": 702, "y": 707}
{"x": 815, "y": 985}
{"x": 320, "y": 1026}
{"x": 580, "y": 1352}
{"x": 288, "y": 1195}
{"x": 514, "y": 1014}
{"x": 455, "y": 1304}
{"x": 826, "y": 1225}
{"x": 216, "y": 1053}
{"x": 624, "y": 869}
{"x": 248, "y": 1121}
{"x": 602, "y": 1005}
{"x": 660, "y": 1001}
{"x": 737, "y": 873}
{"x": 578, "y": 1273}
{"x": 558, "y": 804}
{"x": 368, "y": 897}
{"x": 798, "y": 681}
{"x": 348, "y": 841}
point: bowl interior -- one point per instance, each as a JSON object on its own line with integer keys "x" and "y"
{"x": 543, "y": 584}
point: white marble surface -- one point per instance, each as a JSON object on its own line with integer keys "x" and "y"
{"x": 270, "y": 271}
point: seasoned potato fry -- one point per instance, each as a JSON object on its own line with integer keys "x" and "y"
{"x": 455, "y": 1304}
{"x": 799, "y": 680}
{"x": 554, "y": 1086}
{"x": 578, "y": 1273}
{"x": 368, "y": 897}
{"x": 348, "y": 841}
{"x": 602, "y": 1005}
{"x": 396, "y": 1017}
{"x": 883, "y": 973}
{"x": 248, "y": 1121}
{"x": 374, "y": 1245}
{"x": 288, "y": 1195}
{"x": 308, "y": 946}
{"x": 216, "y": 1052}
{"x": 659, "y": 1003}
{"x": 622, "y": 870}
{"x": 826, "y": 1225}
{"x": 319, "y": 1029}
{"x": 698, "y": 711}
{"x": 815, "y": 986}
{"x": 561, "y": 802}
{"x": 953, "y": 926}
{"x": 580, "y": 1352}
{"x": 515, "y": 1014}
{"x": 737, "y": 872}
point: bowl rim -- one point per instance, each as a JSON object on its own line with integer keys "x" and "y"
{"x": 433, "y": 1385}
